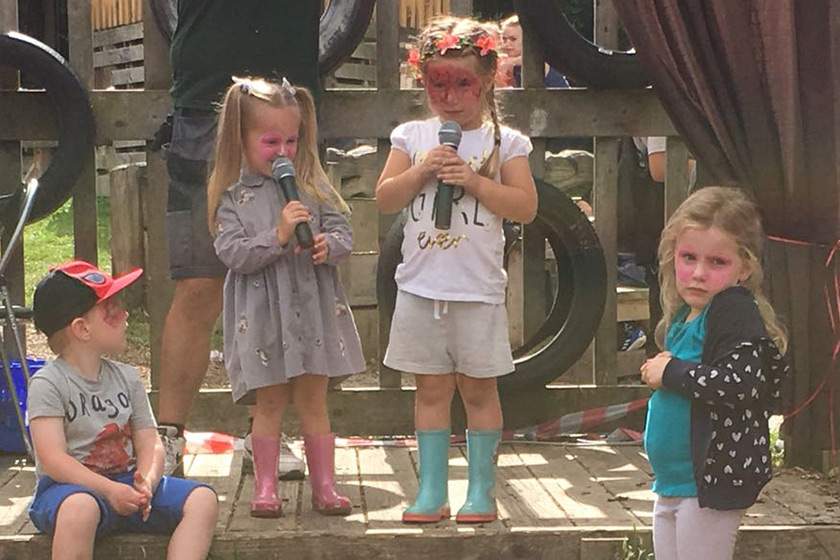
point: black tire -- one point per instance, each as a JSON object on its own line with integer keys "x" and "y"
{"x": 73, "y": 114}
{"x": 578, "y": 304}
{"x": 569, "y": 52}
{"x": 342, "y": 28}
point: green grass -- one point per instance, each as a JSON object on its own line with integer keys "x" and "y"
{"x": 50, "y": 242}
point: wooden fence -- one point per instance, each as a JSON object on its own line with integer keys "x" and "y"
{"x": 132, "y": 115}
{"x": 106, "y": 14}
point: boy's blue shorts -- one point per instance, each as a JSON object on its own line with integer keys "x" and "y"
{"x": 167, "y": 506}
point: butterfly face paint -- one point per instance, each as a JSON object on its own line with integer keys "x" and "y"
{"x": 455, "y": 91}
{"x": 271, "y": 132}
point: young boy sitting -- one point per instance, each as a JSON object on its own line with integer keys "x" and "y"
{"x": 98, "y": 455}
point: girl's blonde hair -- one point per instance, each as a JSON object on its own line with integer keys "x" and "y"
{"x": 239, "y": 105}
{"x": 468, "y": 30}
{"x": 733, "y": 212}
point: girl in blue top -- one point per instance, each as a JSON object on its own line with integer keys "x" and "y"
{"x": 718, "y": 380}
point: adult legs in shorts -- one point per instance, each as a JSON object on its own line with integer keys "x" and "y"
{"x": 198, "y": 275}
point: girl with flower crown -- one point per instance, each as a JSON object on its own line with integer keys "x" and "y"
{"x": 287, "y": 325}
{"x": 450, "y": 324}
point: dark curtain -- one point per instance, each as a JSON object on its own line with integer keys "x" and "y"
{"x": 752, "y": 86}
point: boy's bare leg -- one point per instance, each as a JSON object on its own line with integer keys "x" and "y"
{"x": 75, "y": 528}
{"x": 194, "y": 534}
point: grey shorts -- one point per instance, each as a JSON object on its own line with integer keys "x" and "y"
{"x": 189, "y": 160}
{"x": 437, "y": 337}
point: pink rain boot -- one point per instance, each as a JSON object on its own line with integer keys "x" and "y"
{"x": 264, "y": 502}
{"x": 320, "y": 457}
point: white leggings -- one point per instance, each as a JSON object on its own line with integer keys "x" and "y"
{"x": 682, "y": 530}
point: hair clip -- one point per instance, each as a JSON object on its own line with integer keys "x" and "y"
{"x": 243, "y": 84}
{"x": 288, "y": 87}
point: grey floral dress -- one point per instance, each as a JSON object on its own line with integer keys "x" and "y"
{"x": 283, "y": 315}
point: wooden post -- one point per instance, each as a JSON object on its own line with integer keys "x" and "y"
{"x": 462, "y": 8}
{"x": 676, "y": 174}
{"x": 127, "y": 247}
{"x": 84, "y": 195}
{"x": 387, "y": 78}
{"x": 605, "y": 199}
{"x": 154, "y": 195}
{"x": 533, "y": 239}
{"x": 607, "y": 24}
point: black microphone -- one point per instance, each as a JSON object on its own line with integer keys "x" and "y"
{"x": 283, "y": 172}
{"x": 449, "y": 135}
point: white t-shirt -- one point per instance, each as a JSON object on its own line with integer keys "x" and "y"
{"x": 465, "y": 262}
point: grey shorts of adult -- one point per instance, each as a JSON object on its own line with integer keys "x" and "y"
{"x": 189, "y": 158}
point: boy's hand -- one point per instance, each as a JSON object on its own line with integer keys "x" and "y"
{"x": 124, "y": 499}
{"x": 320, "y": 250}
{"x": 293, "y": 213}
{"x": 144, "y": 486}
{"x": 654, "y": 368}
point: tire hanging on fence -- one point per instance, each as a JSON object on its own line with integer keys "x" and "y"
{"x": 578, "y": 303}
{"x": 74, "y": 122}
{"x": 343, "y": 25}
{"x": 569, "y": 52}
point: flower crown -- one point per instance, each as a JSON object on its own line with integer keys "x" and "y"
{"x": 481, "y": 41}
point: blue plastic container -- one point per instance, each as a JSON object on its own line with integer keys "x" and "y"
{"x": 10, "y": 440}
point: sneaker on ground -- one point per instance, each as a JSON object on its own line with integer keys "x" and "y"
{"x": 634, "y": 338}
{"x": 290, "y": 466}
{"x": 173, "y": 450}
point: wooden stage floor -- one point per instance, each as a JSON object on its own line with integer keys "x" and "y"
{"x": 555, "y": 501}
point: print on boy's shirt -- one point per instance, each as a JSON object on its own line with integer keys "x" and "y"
{"x": 418, "y": 206}
{"x": 110, "y": 450}
{"x": 88, "y": 405}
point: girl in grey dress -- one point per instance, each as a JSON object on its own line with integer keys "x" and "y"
{"x": 287, "y": 326}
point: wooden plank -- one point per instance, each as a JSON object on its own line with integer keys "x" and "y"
{"x": 128, "y": 76}
{"x": 607, "y": 24}
{"x": 623, "y": 480}
{"x": 388, "y": 378}
{"x": 363, "y": 72}
{"x": 158, "y": 72}
{"x": 795, "y": 495}
{"x": 347, "y": 484}
{"x": 388, "y": 482}
{"x": 387, "y": 47}
{"x": 385, "y": 409}
{"x": 605, "y": 199}
{"x": 357, "y": 275}
{"x": 515, "y": 300}
{"x": 574, "y": 112}
{"x": 223, "y": 472}
{"x": 118, "y": 35}
{"x": 127, "y": 247}
{"x": 799, "y": 432}
{"x": 365, "y": 222}
{"x": 8, "y": 16}
{"x": 112, "y": 57}
{"x": 158, "y": 285}
{"x": 524, "y": 495}
{"x": 632, "y": 304}
{"x": 10, "y": 181}
{"x": 676, "y": 174}
{"x": 584, "y": 500}
{"x": 15, "y": 497}
{"x": 533, "y": 255}
{"x": 242, "y": 522}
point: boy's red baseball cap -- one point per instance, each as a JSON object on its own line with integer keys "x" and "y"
{"x": 71, "y": 290}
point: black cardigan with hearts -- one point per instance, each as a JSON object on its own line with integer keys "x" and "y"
{"x": 732, "y": 394}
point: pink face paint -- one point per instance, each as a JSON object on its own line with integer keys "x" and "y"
{"x": 706, "y": 262}
{"x": 272, "y": 145}
{"x": 451, "y": 88}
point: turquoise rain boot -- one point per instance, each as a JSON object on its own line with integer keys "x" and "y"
{"x": 481, "y": 456}
{"x": 432, "y": 504}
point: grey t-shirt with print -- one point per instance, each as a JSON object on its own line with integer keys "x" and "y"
{"x": 99, "y": 416}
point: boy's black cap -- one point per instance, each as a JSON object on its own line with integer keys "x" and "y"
{"x": 71, "y": 290}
